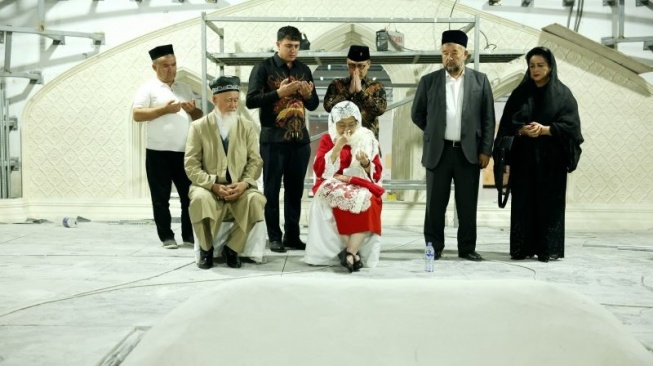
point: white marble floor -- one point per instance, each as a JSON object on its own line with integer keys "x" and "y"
{"x": 73, "y": 296}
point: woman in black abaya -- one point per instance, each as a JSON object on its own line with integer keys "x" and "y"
{"x": 542, "y": 115}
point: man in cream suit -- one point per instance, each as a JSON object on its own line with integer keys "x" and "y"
{"x": 454, "y": 107}
{"x": 222, "y": 161}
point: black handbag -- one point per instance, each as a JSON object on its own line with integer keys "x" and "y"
{"x": 503, "y": 161}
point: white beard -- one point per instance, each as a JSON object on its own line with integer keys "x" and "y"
{"x": 225, "y": 122}
{"x": 229, "y": 119}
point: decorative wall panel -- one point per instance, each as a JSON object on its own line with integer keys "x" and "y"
{"x": 80, "y": 141}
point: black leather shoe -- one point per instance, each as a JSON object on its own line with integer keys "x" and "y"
{"x": 358, "y": 263}
{"x": 471, "y": 256}
{"x": 276, "y": 246}
{"x": 438, "y": 255}
{"x": 344, "y": 256}
{"x": 232, "y": 258}
{"x": 206, "y": 259}
{"x": 295, "y": 243}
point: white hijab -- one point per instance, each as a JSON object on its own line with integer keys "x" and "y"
{"x": 361, "y": 140}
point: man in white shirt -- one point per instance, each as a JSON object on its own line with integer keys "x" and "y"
{"x": 454, "y": 107}
{"x": 168, "y": 108}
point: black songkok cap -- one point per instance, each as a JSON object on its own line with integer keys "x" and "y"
{"x": 160, "y": 51}
{"x": 225, "y": 84}
{"x": 454, "y": 36}
{"x": 358, "y": 53}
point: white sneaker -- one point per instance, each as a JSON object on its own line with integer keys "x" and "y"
{"x": 170, "y": 244}
{"x": 188, "y": 245}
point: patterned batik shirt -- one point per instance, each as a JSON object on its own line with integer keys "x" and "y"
{"x": 370, "y": 100}
{"x": 282, "y": 119}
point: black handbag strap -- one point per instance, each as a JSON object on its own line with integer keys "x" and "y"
{"x": 504, "y": 194}
{"x": 504, "y": 191}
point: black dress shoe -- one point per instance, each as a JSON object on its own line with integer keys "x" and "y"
{"x": 276, "y": 246}
{"x": 438, "y": 255}
{"x": 344, "y": 256}
{"x": 471, "y": 256}
{"x": 206, "y": 259}
{"x": 232, "y": 258}
{"x": 358, "y": 263}
{"x": 294, "y": 243}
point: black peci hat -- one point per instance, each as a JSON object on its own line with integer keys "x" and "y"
{"x": 161, "y": 51}
{"x": 358, "y": 53}
{"x": 454, "y": 36}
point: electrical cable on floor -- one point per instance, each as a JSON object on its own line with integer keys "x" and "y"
{"x": 641, "y": 282}
{"x": 516, "y": 265}
{"x": 92, "y": 292}
{"x": 123, "y": 286}
{"x": 487, "y": 260}
{"x": 627, "y": 305}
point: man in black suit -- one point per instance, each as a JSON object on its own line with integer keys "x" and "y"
{"x": 454, "y": 107}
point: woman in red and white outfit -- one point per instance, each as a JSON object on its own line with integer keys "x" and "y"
{"x": 345, "y": 215}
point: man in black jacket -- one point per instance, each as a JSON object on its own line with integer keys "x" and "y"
{"x": 454, "y": 107}
{"x": 283, "y": 89}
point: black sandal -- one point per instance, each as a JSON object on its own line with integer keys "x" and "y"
{"x": 358, "y": 263}
{"x": 343, "y": 256}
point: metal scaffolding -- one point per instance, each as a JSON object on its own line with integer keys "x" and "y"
{"x": 618, "y": 25}
{"x": 8, "y": 124}
{"x": 223, "y": 59}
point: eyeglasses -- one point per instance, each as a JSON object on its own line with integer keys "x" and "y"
{"x": 357, "y": 66}
{"x": 348, "y": 126}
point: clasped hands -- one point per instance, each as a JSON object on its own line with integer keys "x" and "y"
{"x": 229, "y": 192}
{"x": 289, "y": 87}
{"x": 533, "y": 129}
{"x": 355, "y": 85}
{"x": 174, "y": 107}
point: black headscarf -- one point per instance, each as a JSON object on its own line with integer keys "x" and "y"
{"x": 557, "y": 108}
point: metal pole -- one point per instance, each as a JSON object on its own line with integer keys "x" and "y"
{"x": 8, "y": 39}
{"x": 41, "y": 14}
{"x": 221, "y": 35}
{"x": 203, "y": 57}
{"x": 622, "y": 15}
{"x": 7, "y": 131}
{"x": 4, "y": 149}
{"x": 477, "y": 42}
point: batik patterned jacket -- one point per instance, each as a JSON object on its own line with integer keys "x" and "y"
{"x": 282, "y": 119}
{"x": 371, "y": 100}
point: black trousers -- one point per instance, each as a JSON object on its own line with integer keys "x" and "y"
{"x": 290, "y": 161}
{"x": 164, "y": 168}
{"x": 465, "y": 175}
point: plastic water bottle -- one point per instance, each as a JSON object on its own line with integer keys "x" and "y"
{"x": 69, "y": 222}
{"x": 429, "y": 257}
